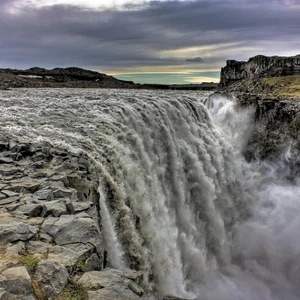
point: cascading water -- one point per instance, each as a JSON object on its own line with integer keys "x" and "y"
{"x": 177, "y": 199}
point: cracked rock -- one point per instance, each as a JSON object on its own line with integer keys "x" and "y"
{"x": 52, "y": 277}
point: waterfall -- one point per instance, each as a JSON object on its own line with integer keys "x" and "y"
{"x": 178, "y": 201}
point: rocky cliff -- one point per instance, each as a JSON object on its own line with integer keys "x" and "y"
{"x": 271, "y": 87}
{"x": 259, "y": 66}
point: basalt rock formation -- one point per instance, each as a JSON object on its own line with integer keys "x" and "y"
{"x": 50, "y": 228}
{"x": 258, "y": 67}
{"x": 270, "y": 85}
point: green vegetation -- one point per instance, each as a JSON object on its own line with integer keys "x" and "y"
{"x": 78, "y": 267}
{"x": 29, "y": 262}
{"x": 288, "y": 86}
{"x": 73, "y": 291}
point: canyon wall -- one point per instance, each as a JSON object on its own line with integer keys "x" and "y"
{"x": 259, "y": 66}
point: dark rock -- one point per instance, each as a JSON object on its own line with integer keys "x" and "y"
{"x": 261, "y": 66}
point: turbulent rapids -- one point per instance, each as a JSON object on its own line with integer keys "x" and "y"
{"x": 178, "y": 201}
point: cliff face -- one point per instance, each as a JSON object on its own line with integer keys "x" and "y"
{"x": 271, "y": 87}
{"x": 259, "y": 66}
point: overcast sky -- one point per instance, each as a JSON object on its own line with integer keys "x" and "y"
{"x": 185, "y": 41}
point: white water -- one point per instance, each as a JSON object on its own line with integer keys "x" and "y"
{"x": 178, "y": 200}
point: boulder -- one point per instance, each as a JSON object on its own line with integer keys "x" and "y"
{"x": 110, "y": 284}
{"x": 52, "y": 277}
{"x": 69, "y": 229}
{"x": 16, "y": 281}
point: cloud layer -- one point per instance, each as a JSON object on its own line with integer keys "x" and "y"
{"x": 152, "y": 36}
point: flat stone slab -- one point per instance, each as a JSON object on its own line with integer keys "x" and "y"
{"x": 6, "y": 160}
{"x": 16, "y": 281}
{"x": 7, "y": 170}
{"x": 9, "y": 193}
{"x": 44, "y": 194}
{"x": 27, "y": 183}
{"x": 9, "y": 200}
{"x": 16, "y": 273}
{"x": 110, "y": 284}
{"x": 69, "y": 229}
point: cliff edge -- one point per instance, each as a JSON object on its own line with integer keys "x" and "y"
{"x": 271, "y": 87}
{"x": 259, "y": 66}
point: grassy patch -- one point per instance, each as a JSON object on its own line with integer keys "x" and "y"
{"x": 283, "y": 86}
{"x": 73, "y": 291}
{"x": 78, "y": 267}
{"x": 29, "y": 262}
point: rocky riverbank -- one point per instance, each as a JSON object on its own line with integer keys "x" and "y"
{"x": 50, "y": 228}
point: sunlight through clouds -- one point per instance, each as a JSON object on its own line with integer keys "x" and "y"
{"x": 94, "y": 4}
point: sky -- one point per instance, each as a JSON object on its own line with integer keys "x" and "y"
{"x": 161, "y": 41}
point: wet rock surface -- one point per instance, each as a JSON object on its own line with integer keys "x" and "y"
{"x": 276, "y": 105}
{"x": 276, "y": 128}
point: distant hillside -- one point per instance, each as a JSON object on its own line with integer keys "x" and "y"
{"x": 79, "y": 78}
{"x": 59, "y": 77}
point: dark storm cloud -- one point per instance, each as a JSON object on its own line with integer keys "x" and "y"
{"x": 194, "y": 60}
{"x": 69, "y": 35}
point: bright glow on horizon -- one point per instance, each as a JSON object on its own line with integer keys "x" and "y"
{"x": 94, "y": 4}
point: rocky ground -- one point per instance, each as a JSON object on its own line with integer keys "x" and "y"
{"x": 50, "y": 229}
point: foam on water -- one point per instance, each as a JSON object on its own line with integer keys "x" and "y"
{"x": 178, "y": 200}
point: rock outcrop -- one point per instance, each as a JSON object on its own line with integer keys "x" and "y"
{"x": 270, "y": 86}
{"x": 258, "y": 67}
{"x": 50, "y": 228}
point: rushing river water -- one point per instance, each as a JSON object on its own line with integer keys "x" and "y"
{"x": 178, "y": 201}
